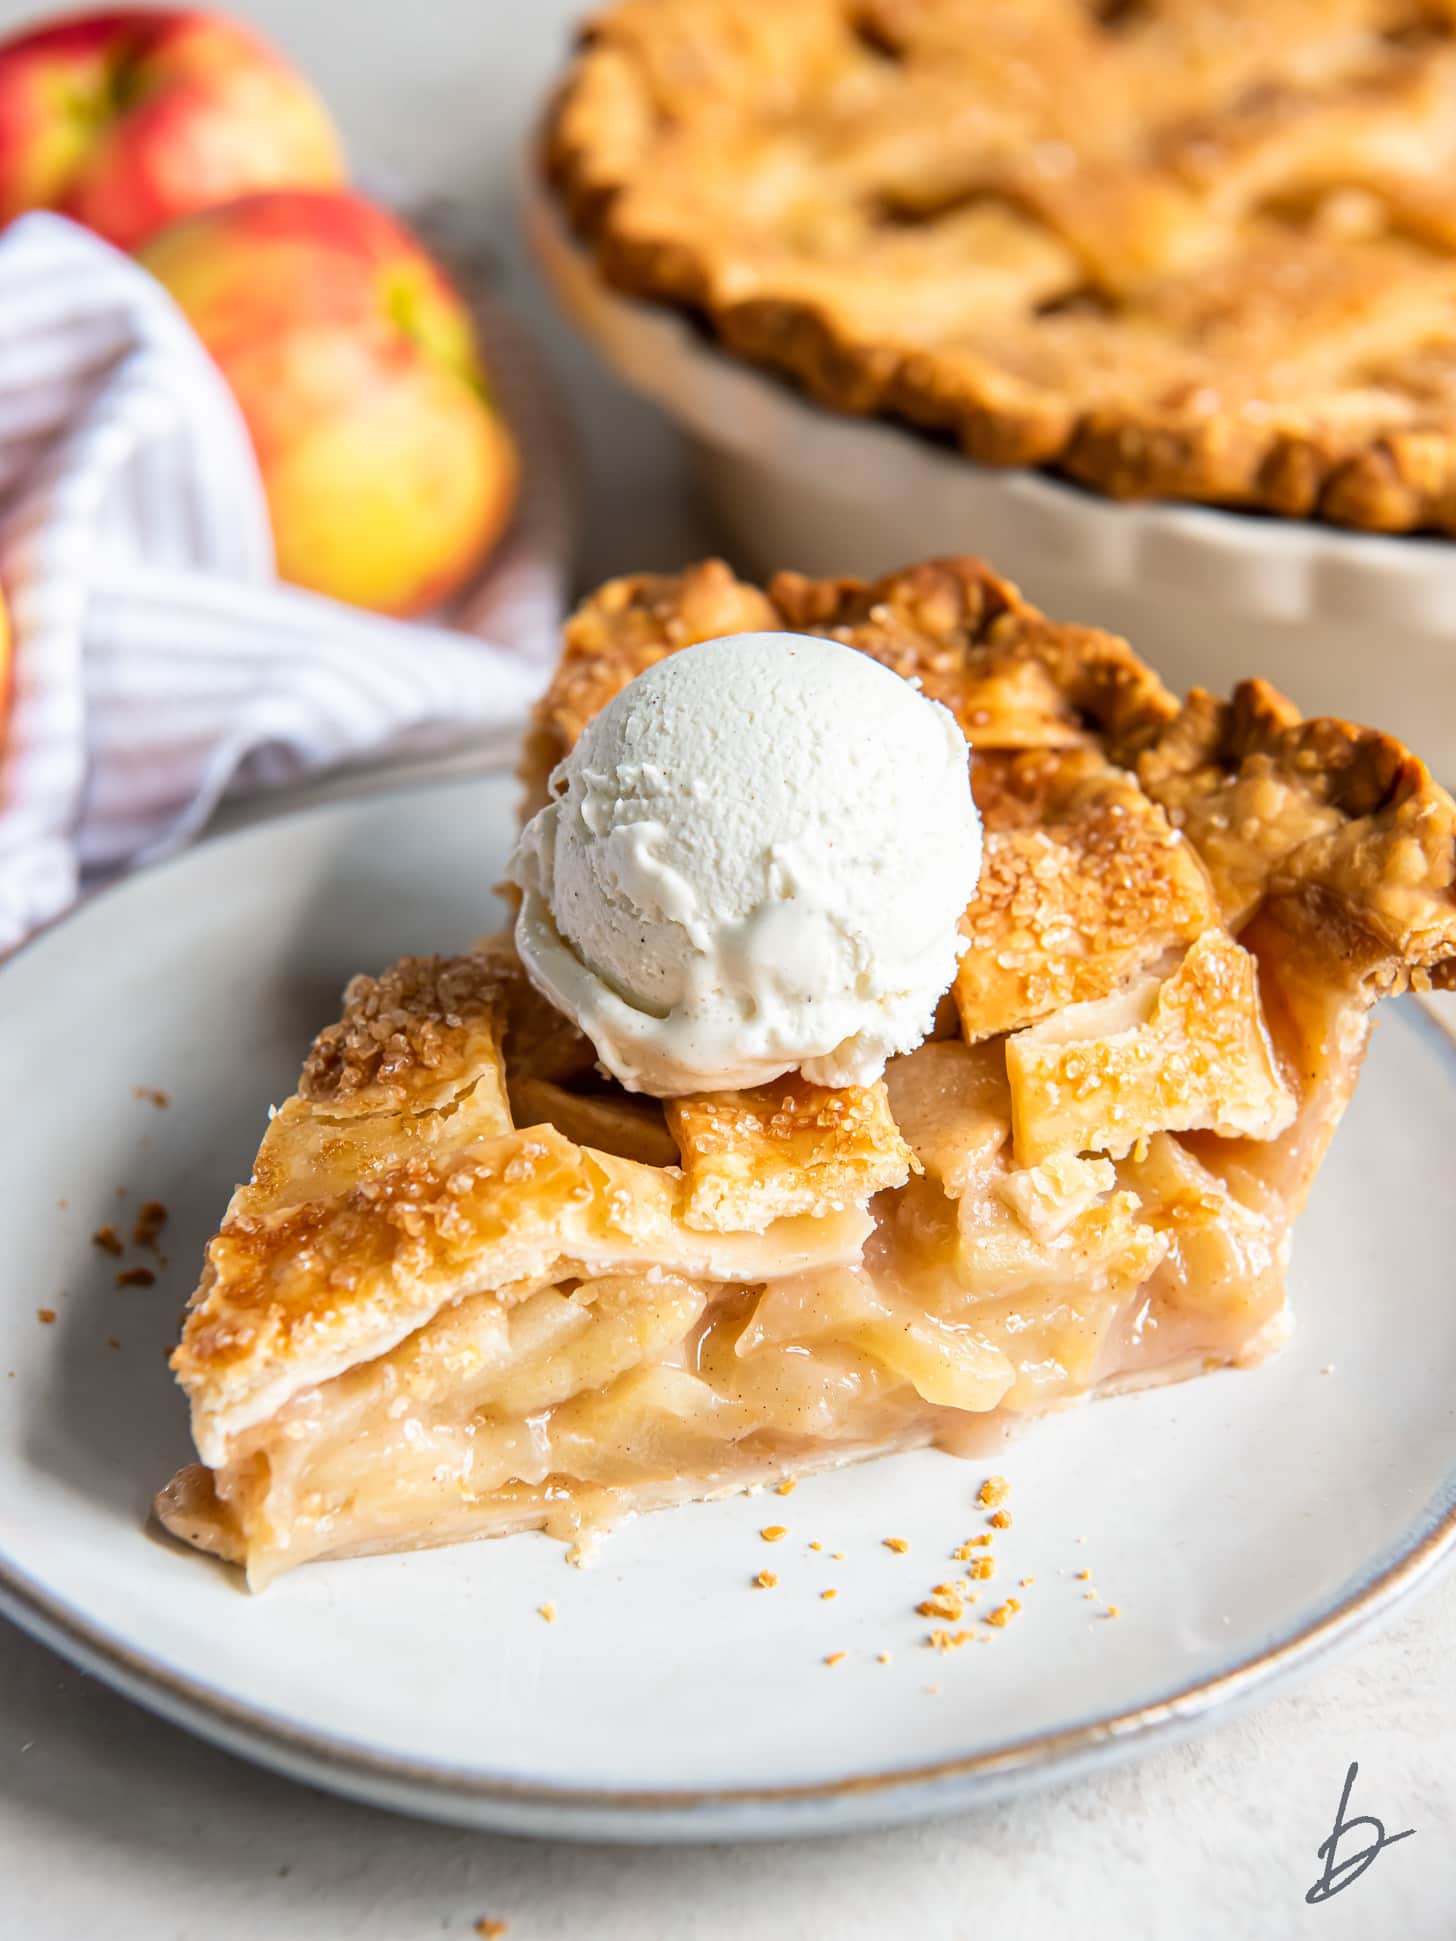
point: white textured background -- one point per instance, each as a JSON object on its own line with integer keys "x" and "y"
{"x": 114, "y": 1827}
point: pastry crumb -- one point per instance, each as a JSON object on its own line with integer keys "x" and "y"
{"x": 136, "y": 1277}
{"x": 836, "y": 1658}
{"x": 547, "y": 1611}
{"x": 1001, "y": 1520}
{"x": 765, "y": 1581}
{"x": 944, "y": 1641}
{"x": 993, "y": 1492}
{"x": 108, "y": 1240}
{"x": 45, "y": 1315}
{"x": 897, "y": 1544}
{"x": 982, "y": 1567}
{"x": 1083, "y": 1575}
{"x": 112, "y": 1342}
{"x": 944, "y": 1604}
{"x": 1328, "y": 1369}
{"x": 831, "y": 1592}
{"x": 490, "y": 1930}
{"x": 152, "y": 1095}
{"x": 1003, "y": 1613}
{"x": 151, "y": 1218}
{"x": 787, "y": 1486}
{"x": 773, "y": 1533}
{"x": 1113, "y": 1610}
{"x": 882, "y": 1658}
{"x": 815, "y": 1545}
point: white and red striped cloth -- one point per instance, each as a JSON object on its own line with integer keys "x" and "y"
{"x": 159, "y": 664}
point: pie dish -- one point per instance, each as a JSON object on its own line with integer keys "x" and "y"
{"x": 470, "y": 1287}
{"x": 1187, "y": 252}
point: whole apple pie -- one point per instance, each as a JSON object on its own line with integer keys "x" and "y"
{"x": 1199, "y": 249}
{"x": 474, "y": 1286}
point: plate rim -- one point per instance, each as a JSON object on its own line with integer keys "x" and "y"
{"x": 528, "y": 1805}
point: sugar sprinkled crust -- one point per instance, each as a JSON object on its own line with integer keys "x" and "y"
{"x": 405, "y": 1034}
{"x": 1177, "y": 252}
{"x": 785, "y": 1148}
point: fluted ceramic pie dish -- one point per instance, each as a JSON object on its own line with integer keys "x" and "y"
{"x": 1356, "y": 624}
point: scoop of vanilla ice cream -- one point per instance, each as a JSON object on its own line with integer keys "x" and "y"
{"x": 754, "y": 861}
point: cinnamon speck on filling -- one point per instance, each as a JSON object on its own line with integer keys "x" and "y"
{"x": 897, "y": 1544}
{"x": 774, "y": 1533}
{"x": 765, "y": 1580}
{"x": 993, "y": 1492}
{"x": 108, "y": 1240}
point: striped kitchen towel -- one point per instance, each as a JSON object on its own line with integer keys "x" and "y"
{"x": 159, "y": 665}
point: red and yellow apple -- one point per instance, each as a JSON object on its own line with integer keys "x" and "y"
{"x": 127, "y": 120}
{"x": 7, "y": 667}
{"x": 387, "y": 468}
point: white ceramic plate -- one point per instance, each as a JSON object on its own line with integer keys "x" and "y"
{"x": 1348, "y": 623}
{"x": 1240, "y": 1523}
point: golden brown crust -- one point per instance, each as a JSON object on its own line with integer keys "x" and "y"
{"x": 1183, "y": 253}
{"x": 1337, "y": 831}
{"x": 404, "y": 1037}
{"x": 1012, "y": 678}
{"x": 750, "y": 1158}
{"x": 1083, "y": 881}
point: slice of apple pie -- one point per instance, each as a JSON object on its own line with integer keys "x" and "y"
{"x": 472, "y": 1286}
